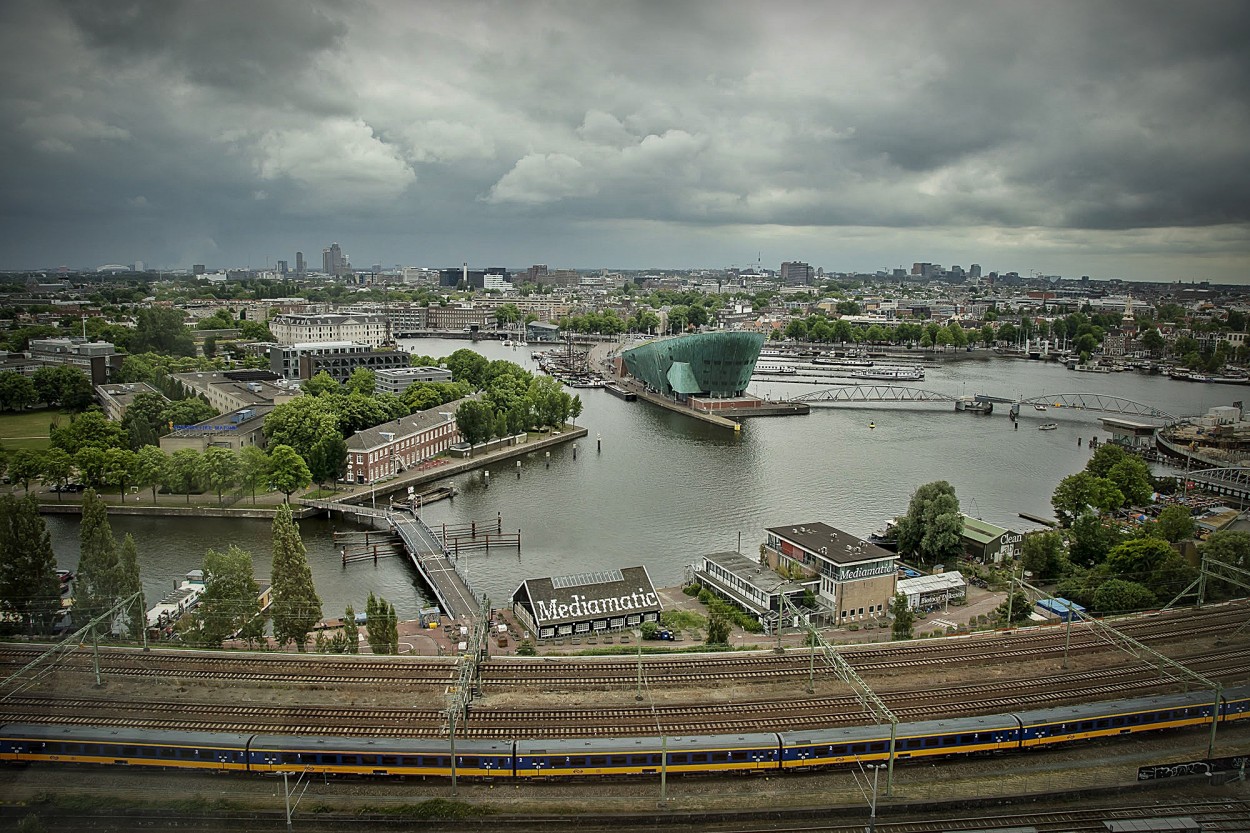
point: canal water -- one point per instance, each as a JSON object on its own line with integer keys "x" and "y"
{"x": 666, "y": 488}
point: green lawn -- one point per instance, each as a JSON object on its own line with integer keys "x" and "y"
{"x": 28, "y": 429}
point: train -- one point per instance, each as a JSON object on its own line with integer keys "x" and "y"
{"x": 629, "y": 756}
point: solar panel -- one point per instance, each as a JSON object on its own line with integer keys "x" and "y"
{"x": 583, "y": 579}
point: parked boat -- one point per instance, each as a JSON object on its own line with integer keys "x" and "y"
{"x": 178, "y": 602}
{"x": 779, "y": 369}
{"x": 1091, "y": 368}
{"x": 971, "y": 405}
{"x": 844, "y": 362}
{"x": 1048, "y": 426}
{"x": 1039, "y": 407}
{"x": 620, "y": 391}
{"x": 891, "y": 374}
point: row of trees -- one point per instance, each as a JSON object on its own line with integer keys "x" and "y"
{"x": 57, "y": 386}
{"x": 186, "y": 471}
{"x": 513, "y": 400}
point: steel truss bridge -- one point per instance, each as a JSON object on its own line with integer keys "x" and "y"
{"x": 1229, "y": 482}
{"x": 1072, "y": 401}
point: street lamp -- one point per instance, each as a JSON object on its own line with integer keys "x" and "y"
{"x": 872, "y": 808}
{"x": 638, "y": 636}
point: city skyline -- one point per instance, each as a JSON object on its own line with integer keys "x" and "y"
{"x": 1067, "y": 139}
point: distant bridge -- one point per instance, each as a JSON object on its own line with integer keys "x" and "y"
{"x": 871, "y": 393}
{"x": 1074, "y": 401}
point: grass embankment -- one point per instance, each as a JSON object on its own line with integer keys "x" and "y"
{"x": 28, "y": 429}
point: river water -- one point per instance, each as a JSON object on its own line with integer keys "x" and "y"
{"x": 666, "y": 488}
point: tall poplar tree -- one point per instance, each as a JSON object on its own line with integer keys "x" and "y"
{"x": 296, "y": 606}
{"x": 29, "y": 589}
{"x": 130, "y": 584}
{"x": 99, "y": 582}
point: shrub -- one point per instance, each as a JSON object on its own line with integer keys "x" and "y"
{"x": 691, "y": 589}
{"x": 852, "y": 627}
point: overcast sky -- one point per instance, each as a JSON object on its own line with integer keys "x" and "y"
{"x": 1100, "y": 138}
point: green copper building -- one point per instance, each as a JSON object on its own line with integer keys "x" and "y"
{"x": 717, "y": 364}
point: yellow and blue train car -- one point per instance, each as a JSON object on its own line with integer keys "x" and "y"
{"x": 1099, "y": 720}
{"x": 1237, "y": 703}
{"x": 380, "y": 756}
{"x": 930, "y": 738}
{"x": 646, "y": 755}
{"x": 123, "y": 747}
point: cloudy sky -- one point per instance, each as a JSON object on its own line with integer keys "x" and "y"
{"x": 1103, "y": 138}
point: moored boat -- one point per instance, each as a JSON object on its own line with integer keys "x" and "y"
{"x": 1048, "y": 426}
{"x": 891, "y": 374}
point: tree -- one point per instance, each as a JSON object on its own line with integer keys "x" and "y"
{"x": 1174, "y": 523}
{"x": 1076, "y": 493}
{"x": 185, "y": 472}
{"x": 1132, "y": 477}
{"x": 1120, "y": 596}
{"x": 475, "y": 421}
{"x": 1014, "y": 610}
{"x": 17, "y": 391}
{"x": 287, "y": 471}
{"x": 253, "y": 468}
{"x": 321, "y": 383}
{"x": 119, "y": 469}
{"x": 24, "y": 466}
{"x": 904, "y": 617}
{"x": 128, "y": 559}
{"x": 1042, "y": 554}
{"x": 351, "y": 633}
{"x": 932, "y": 527}
{"x": 90, "y": 462}
{"x": 379, "y": 623}
{"x": 296, "y": 606}
{"x": 89, "y": 429}
{"x": 1151, "y": 563}
{"x": 362, "y": 381}
{"x": 327, "y": 461}
{"x": 302, "y": 422}
{"x": 161, "y": 330}
{"x": 151, "y": 467}
{"x": 718, "y": 628}
{"x": 29, "y": 589}
{"x": 1089, "y": 540}
{"x": 467, "y": 366}
{"x": 1228, "y": 548}
{"x": 229, "y": 603}
{"x": 63, "y": 386}
{"x": 575, "y": 409}
{"x": 100, "y": 579}
{"x": 221, "y": 469}
{"x": 57, "y": 468}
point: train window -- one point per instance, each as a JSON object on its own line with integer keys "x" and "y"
{"x": 1118, "y": 721}
{"x": 130, "y": 751}
{"x": 390, "y": 760}
{"x": 700, "y": 758}
{"x": 618, "y": 760}
{"x": 472, "y": 761}
{"x": 931, "y": 742}
{"x": 720, "y": 757}
{"x": 680, "y": 757}
{"x": 597, "y": 760}
{"x": 877, "y": 747}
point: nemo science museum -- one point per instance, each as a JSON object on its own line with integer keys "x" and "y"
{"x": 694, "y": 369}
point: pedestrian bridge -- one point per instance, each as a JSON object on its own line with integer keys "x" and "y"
{"x": 1101, "y": 402}
{"x": 1230, "y": 482}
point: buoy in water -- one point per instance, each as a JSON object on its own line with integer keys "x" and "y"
{"x": 872, "y": 425}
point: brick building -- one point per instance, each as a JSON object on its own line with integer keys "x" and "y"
{"x": 857, "y": 579}
{"x": 392, "y": 447}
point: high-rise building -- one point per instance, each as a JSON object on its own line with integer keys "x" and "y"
{"x": 300, "y": 267}
{"x": 334, "y": 262}
{"x": 282, "y": 267}
{"x": 797, "y": 273}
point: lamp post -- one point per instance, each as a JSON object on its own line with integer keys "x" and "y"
{"x": 872, "y": 808}
{"x": 638, "y": 636}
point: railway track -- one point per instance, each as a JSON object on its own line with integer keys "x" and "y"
{"x": 818, "y": 712}
{"x": 619, "y": 672}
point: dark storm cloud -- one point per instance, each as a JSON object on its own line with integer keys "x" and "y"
{"x": 573, "y": 131}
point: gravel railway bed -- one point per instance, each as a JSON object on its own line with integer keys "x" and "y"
{"x": 686, "y": 670}
{"x": 817, "y": 712}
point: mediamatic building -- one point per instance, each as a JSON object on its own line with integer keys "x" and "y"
{"x": 857, "y": 578}
{"x": 716, "y": 365}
